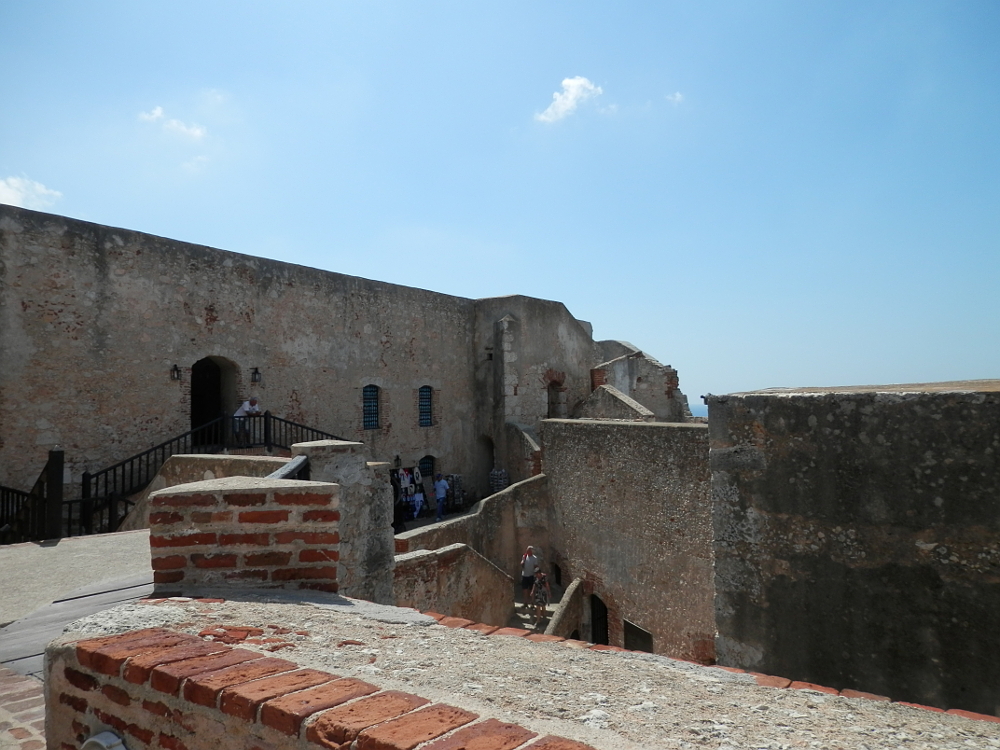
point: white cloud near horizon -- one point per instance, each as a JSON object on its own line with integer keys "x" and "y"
{"x": 173, "y": 125}
{"x": 675, "y": 98}
{"x": 25, "y": 193}
{"x": 575, "y": 91}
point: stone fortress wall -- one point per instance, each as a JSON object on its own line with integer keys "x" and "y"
{"x": 853, "y": 531}
{"x": 91, "y": 313}
{"x": 857, "y": 538}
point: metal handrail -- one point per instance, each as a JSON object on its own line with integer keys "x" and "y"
{"x": 42, "y": 513}
{"x": 297, "y": 468}
{"x": 134, "y": 473}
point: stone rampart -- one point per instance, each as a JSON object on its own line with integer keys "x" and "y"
{"x": 630, "y": 515}
{"x": 856, "y": 538}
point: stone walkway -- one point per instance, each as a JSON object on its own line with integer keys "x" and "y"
{"x": 22, "y": 712}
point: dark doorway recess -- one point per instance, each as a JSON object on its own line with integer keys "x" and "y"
{"x": 598, "y": 620}
{"x": 206, "y": 392}
{"x": 213, "y": 391}
{"x": 637, "y": 639}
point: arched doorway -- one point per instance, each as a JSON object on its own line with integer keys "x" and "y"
{"x": 598, "y": 620}
{"x": 213, "y": 390}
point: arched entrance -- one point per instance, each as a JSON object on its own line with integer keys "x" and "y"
{"x": 213, "y": 390}
{"x": 598, "y": 620}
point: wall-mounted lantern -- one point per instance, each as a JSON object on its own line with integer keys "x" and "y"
{"x": 175, "y": 373}
{"x": 255, "y": 375}
{"x": 398, "y": 462}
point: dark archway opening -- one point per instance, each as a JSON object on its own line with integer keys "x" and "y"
{"x": 213, "y": 394}
{"x": 206, "y": 392}
{"x": 598, "y": 620}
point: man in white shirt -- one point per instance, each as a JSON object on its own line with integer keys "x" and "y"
{"x": 240, "y": 426}
{"x": 440, "y": 495}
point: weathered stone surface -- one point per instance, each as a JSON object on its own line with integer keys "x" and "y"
{"x": 108, "y": 312}
{"x": 630, "y": 515}
{"x": 856, "y": 538}
{"x": 456, "y": 579}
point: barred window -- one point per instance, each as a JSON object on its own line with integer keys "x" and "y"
{"x": 426, "y": 465}
{"x": 369, "y": 401}
{"x": 425, "y": 406}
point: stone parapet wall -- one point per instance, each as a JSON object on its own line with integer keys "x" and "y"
{"x": 456, "y": 580}
{"x": 568, "y": 612}
{"x": 365, "y": 505}
{"x": 163, "y": 690}
{"x": 856, "y": 538}
{"x": 498, "y": 527}
{"x": 607, "y": 402}
{"x": 243, "y": 532}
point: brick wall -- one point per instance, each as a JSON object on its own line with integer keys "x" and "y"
{"x": 239, "y": 531}
{"x": 366, "y": 545}
{"x": 161, "y": 690}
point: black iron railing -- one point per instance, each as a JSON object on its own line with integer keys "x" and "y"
{"x": 18, "y": 512}
{"x": 127, "y": 477}
{"x": 29, "y": 516}
{"x": 105, "y": 495}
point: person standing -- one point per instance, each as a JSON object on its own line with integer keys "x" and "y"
{"x": 540, "y": 595}
{"x": 241, "y": 427}
{"x": 440, "y": 495}
{"x": 530, "y": 564}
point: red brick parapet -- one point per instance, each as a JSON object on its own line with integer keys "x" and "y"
{"x": 173, "y": 691}
{"x": 245, "y": 532}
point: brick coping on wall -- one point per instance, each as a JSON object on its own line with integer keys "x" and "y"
{"x": 165, "y": 676}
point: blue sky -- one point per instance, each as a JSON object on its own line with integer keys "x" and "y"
{"x": 759, "y": 193}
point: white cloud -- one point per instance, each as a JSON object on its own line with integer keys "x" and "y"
{"x": 152, "y": 116}
{"x": 191, "y": 131}
{"x": 675, "y": 98}
{"x": 195, "y": 132}
{"x": 575, "y": 90}
{"x": 25, "y": 193}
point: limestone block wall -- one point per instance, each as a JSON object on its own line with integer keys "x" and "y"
{"x": 857, "y": 538}
{"x": 242, "y": 532}
{"x": 92, "y": 319}
{"x": 455, "y": 580}
{"x": 630, "y": 515}
{"x": 529, "y": 352}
